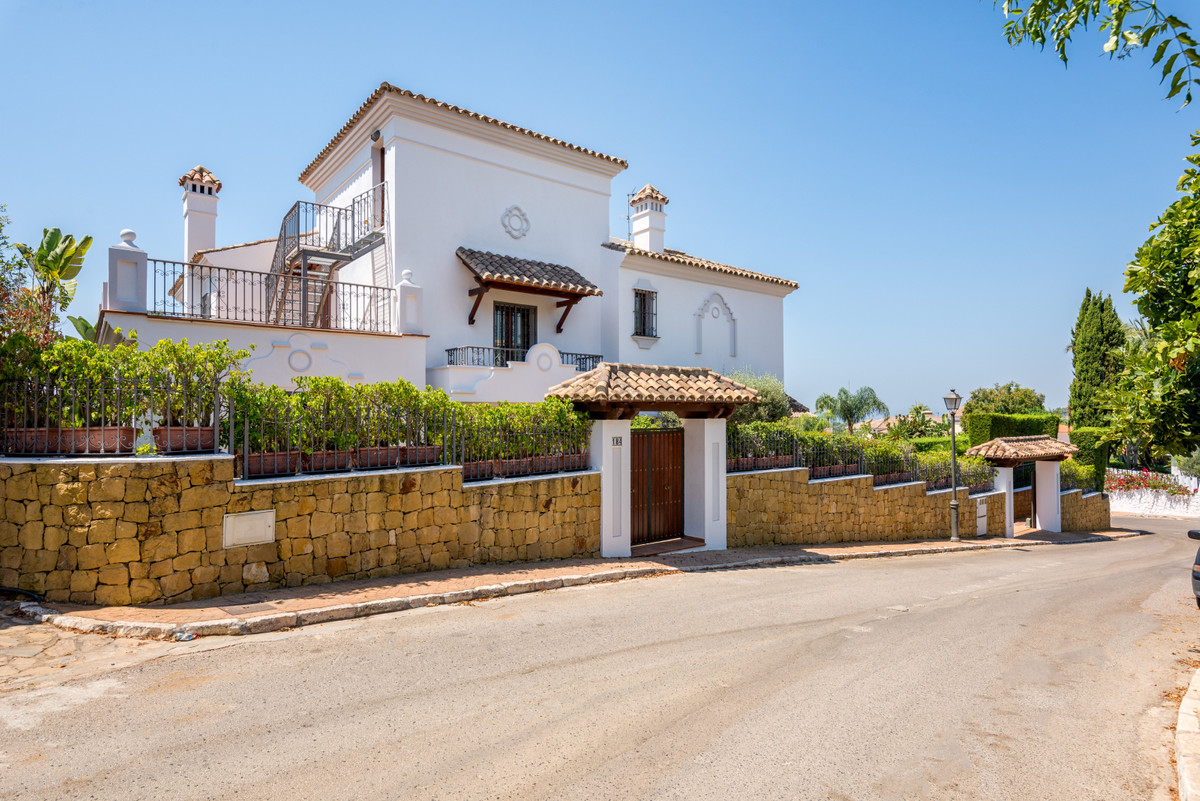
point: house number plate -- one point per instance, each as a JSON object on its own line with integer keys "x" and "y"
{"x": 616, "y": 442}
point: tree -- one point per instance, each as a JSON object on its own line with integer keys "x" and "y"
{"x": 1155, "y": 400}
{"x": 1010, "y": 398}
{"x": 917, "y": 423}
{"x": 852, "y": 407}
{"x": 55, "y": 263}
{"x": 773, "y": 403}
{"x": 1096, "y": 341}
{"x": 23, "y": 314}
{"x": 1126, "y": 24}
{"x": 1190, "y": 465}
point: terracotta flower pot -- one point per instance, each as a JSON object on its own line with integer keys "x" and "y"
{"x": 326, "y": 461}
{"x": 98, "y": 440}
{"x": 181, "y": 439}
{"x": 378, "y": 456}
{"x": 271, "y": 463}
{"x": 32, "y": 440}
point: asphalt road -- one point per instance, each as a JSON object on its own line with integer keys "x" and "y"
{"x": 1046, "y": 673}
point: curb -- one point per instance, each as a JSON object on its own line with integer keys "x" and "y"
{"x": 1187, "y": 742}
{"x": 288, "y": 620}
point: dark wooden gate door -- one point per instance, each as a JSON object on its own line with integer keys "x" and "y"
{"x": 656, "y": 477}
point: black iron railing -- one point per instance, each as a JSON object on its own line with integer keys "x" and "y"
{"x": 774, "y": 449}
{"x": 341, "y": 232}
{"x": 54, "y": 416}
{"x": 479, "y": 356}
{"x": 200, "y": 291}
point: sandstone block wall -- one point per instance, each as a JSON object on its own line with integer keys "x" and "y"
{"x": 1022, "y": 504}
{"x": 1082, "y": 512}
{"x": 151, "y": 530}
{"x": 782, "y": 507}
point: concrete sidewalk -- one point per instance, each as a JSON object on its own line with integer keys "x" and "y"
{"x": 272, "y": 610}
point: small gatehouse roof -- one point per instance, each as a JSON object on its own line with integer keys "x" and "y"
{"x": 619, "y": 390}
{"x": 1010, "y": 451}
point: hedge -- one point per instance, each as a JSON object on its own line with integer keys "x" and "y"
{"x": 1091, "y": 451}
{"x": 984, "y": 426}
{"x": 927, "y": 444}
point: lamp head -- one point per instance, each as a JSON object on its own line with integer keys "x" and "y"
{"x": 952, "y": 399}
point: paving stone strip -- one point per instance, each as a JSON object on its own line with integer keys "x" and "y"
{"x": 1187, "y": 742}
{"x": 199, "y": 621}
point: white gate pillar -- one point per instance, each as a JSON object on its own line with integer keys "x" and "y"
{"x": 610, "y": 455}
{"x": 704, "y": 486}
{"x": 1004, "y": 482}
{"x": 1047, "y": 501}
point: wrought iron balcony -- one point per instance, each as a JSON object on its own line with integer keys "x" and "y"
{"x": 478, "y": 356}
{"x": 335, "y": 232}
{"x": 201, "y": 291}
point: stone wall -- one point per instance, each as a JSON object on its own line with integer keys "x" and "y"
{"x": 1085, "y": 512}
{"x": 781, "y": 507}
{"x": 125, "y": 531}
{"x": 1022, "y": 504}
{"x": 995, "y": 513}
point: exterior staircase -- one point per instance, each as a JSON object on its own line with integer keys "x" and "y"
{"x": 317, "y": 240}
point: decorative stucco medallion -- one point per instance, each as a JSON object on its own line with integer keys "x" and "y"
{"x": 299, "y": 360}
{"x": 515, "y": 222}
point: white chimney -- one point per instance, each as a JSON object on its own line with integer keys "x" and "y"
{"x": 649, "y": 218}
{"x": 200, "y": 190}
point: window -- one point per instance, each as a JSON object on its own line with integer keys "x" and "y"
{"x": 645, "y": 313}
{"x": 514, "y": 331}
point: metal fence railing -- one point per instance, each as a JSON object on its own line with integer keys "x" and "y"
{"x": 773, "y": 449}
{"x": 480, "y": 356}
{"x": 201, "y": 291}
{"x": 341, "y": 231}
{"x": 53, "y": 416}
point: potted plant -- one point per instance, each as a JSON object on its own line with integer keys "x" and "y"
{"x": 328, "y": 423}
{"x": 183, "y": 388}
{"x": 89, "y": 398}
{"x": 265, "y": 429}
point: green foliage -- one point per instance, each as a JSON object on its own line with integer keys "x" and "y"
{"x": 182, "y": 380}
{"x": 1073, "y": 474}
{"x": 55, "y": 263}
{"x": 1155, "y": 401}
{"x": 1096, "y": 341}
{"x": 773, "y": 403}
{"x": 86, "y": 330}
{"x": 1010, "y": 398}
{"x": 938, "y": 444}
{"x": 1054, "y": 21}
{"x": 984, "y": 426}
{"x": 325, "y": 409}
{"x": 812, "y": 422}
{"x": 1190, "y": 465}
{"x": 85, "y": 372}
{"x": 853, "y": 407}
{"x": 265, "y": 417}
{"x": 914, "y": 424}
{"x": 22, "y": 312}
{"x": 662, "y": 420}
{"x": 1092, "y": 449}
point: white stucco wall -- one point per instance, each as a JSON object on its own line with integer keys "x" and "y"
{"x": 256, "y": 257}
{"x": 683, "y": 292}
{"x": 1154, "y": 503}
{"x": 282, "y": 353}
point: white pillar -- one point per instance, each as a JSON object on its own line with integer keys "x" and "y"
{"x": 1047, "y": 502}
{"x": 610, "y": 455}
{"x": 704, "y": 486}
{"x": 1004, "y": 481}
{"x": 199, "y": 218}
{"x": 411, "y": 305}
{"x": 126, "y": 286}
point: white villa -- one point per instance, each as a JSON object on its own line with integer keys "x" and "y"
{"x": 451, "y": 249}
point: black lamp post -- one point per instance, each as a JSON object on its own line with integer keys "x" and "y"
{"x": 953, "y": 399}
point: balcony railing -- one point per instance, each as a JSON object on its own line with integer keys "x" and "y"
{"x": 200, "y": 291}
{"x": 478, "y": 356}
{"x": 343, "y": 232}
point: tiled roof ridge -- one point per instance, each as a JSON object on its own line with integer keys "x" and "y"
{"x": 695, "y": 261}
{"x": 385, "y": 88}
{"x": 623, "y": 382}
{"x": 1033, "y": 447}
{"x": 649, "y": 192}
{"x": 201, "y": 174}
{"x": 206, "y": 251}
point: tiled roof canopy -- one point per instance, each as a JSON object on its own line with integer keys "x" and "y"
{"x": 525, "y": 272}
{"x": 200, "y": 174}
{"x": 679, "y": 257}
{"x": 622, "y": 390}
{"x": 648, "y": 192}
{"x": 386, "y": 88}
{"x": 1010, "y": 451}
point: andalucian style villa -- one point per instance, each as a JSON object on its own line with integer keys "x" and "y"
{"x": 451, "y": 249}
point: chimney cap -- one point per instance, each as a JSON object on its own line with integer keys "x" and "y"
{"x": 648, "y": 192}
{"x": 201, "y": 175}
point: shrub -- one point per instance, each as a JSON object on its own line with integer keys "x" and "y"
{"x": 183, "y": 380}
{"x": 1074, "y": 474}
{"x": 984, "y": 426}
{"x": 1128, "y": 482}
{"x": 926, "y": 444}
{"x": 1092, "y": 451}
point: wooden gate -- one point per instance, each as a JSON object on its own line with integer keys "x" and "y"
{"x": 656, "y": 478}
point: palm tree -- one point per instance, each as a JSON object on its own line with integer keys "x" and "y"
{"x": 853, "y": 407}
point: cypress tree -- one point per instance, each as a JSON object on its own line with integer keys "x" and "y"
{"x": 1095, "y": 343}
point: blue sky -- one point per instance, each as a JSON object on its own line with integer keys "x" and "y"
{"x": 942, "y": 199}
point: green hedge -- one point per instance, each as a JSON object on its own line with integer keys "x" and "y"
{"x": 928, "y": 444}
{"x": 984, "y": 426}
{"x": 1092, "y": 452}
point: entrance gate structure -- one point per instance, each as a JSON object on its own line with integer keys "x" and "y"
{"x": 688, "y": 481}
{"x": 1046, "y": 452}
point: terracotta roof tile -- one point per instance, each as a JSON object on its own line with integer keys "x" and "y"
{"x": 200, "y": 174}
{"x": 632, "y": 383}
{"x": 1024, "y": 449}
{"x": 525, "y": 272}
{"x": 648, "y": 192}
{"x": 679, "y": 257}
{"x": 385, "y": 88}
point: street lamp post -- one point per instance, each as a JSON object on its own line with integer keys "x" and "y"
{"x": 953, "y": 399}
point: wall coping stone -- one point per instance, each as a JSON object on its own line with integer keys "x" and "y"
{"x": 95, "y": 458}
{"x": 827, "y": 480}
{"x": 275, "y": 481}
{"x": 773, "y": 470}
{"x": 492, "y": 482}
{"x": 900, "y": 485}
